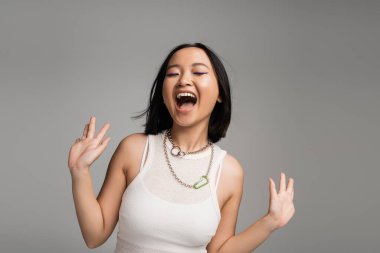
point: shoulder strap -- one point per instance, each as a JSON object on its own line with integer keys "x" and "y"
{"x": 219, "y": 168}
{"x": 145, "y": 154}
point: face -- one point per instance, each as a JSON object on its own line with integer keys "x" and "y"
{"x": 190, "y": 88}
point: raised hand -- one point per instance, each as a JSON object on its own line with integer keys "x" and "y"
{"x": 88, "y": 148}
{"x": 281, "y": 207}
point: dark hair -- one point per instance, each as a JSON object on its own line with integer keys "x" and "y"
{"x": 157, "y": 115}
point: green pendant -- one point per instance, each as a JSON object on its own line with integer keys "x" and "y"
{"x": 202, "y": 182}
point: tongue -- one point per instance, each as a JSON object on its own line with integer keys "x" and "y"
{"x": 186, "y": 107}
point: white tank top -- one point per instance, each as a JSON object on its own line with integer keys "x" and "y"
{"x": 158, "y": 214}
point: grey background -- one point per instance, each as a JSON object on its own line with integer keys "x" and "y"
{"x": 305, "y": 88}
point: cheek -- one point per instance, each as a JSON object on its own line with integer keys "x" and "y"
{"x": 210, "y": 91}
{"x": 208, "y": 82}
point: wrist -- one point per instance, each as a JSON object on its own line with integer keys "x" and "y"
{"x": 270, "y": 223}
{"x": 77, "y": 174}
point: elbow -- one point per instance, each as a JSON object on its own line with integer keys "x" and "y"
{"x": 94, "y": 241}
{"x": 93, "y": 244}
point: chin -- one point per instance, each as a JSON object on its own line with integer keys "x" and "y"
{"x": 187, "y": 122}
{"x": 184, "y": 123}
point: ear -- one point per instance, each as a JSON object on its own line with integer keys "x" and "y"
{"x": 219, "y": 99}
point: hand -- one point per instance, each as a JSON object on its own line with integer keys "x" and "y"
{"x": 281, "y": 207}
{"x": 87, "y": 149}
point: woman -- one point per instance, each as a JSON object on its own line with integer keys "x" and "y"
{"x": 171, "y": 188}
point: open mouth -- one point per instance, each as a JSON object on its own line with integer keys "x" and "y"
{"x": 186, "y": 99}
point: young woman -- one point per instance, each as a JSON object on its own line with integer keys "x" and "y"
{"x": 171, "y": 188}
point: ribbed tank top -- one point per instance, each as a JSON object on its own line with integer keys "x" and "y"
{"x": 158, "y": 214}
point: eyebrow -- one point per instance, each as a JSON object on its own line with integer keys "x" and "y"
{"x": 194, "y": 64}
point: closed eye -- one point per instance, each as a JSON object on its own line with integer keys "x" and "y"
{"x": 195, "y": 73}
{"x": 171, "y": 74}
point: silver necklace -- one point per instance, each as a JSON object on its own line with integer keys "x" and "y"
{"x": 176, "y": 150}
{"x": 203, "y": 179}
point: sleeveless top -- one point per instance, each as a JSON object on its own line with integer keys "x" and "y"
{"x": 158, "y": 214}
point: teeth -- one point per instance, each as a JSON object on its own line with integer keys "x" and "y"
{"x": 183, "y": 94}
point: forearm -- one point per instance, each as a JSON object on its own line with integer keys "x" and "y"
{"x": 249, "y": 239}
{"x": 87, "y": 208}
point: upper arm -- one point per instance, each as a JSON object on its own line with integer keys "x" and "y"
{"x": 232, "y": 178}
{"x": 126, "y": 156}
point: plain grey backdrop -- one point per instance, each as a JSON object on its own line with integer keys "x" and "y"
{"x": 306, "y": 97}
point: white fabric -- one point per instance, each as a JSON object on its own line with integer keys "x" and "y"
{"x": 159, "y": 215}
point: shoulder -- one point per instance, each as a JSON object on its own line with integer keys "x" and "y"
{"x": 133, "y": 139}
{"x": 232, "y": 168}
{"x": 232, "y": 175}
{"x": 132, "y": 147}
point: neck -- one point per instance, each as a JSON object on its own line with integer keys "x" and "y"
{"x": 190, "y": 138}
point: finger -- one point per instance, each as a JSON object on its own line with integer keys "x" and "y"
{"x": 103, "y": 144}
{"x": 91, "y": 127}
{"x": 292, "y": 193}
{"x": 102, "y": 132}
{"x": 282, "y": 182}
{"x": 290, "y": 185}
{"x": 85, "y": 130}
{"x": 99, "y": 149}
{"x": 272, "y": 188}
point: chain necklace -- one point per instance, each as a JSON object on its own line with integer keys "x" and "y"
{"x": 176, "y": 150}
{"x": 203, "y": 179}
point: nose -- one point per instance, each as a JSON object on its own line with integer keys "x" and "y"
{"x": 185, "y": 79}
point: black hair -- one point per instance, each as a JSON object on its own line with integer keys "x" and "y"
{"x": 157, "y": 115}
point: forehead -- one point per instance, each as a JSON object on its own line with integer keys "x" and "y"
{"x": 187, "y": 56}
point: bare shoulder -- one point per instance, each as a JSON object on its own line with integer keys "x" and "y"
{"x": 231, "y": 179}
{"x": 232, "y": 174}
{"x": 133, "y": 148}
{"x": 232, "y": 167}
{"x": 134, "y": 139}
